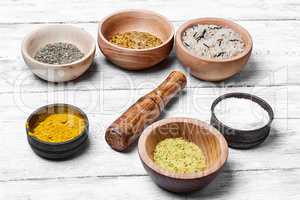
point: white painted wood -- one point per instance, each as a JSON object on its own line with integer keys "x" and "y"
{"x": 192, "y": 102}
{"x": 82, "y": 10}
{"x": 18, "y": 162}
{"x": 274, "y": 61}
{"x": 105, "y": 106}
{"x": 268, "y": 171}
{"x": 258, "y": 185}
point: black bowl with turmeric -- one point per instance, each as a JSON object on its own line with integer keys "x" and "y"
{"x": 57, "y": 131}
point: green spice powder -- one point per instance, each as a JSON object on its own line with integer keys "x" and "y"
{"x": 179, "y": 156}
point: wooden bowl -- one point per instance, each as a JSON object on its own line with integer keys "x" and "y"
{"x": 135, "y": 20}
{"x": 212, "y": 143}
{"x": 213, "y": 69}
{"x": 58, "y": 33}
{"x": 59, "y": 150}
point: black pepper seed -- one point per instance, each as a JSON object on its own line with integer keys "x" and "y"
{"x": 58, "y": 53}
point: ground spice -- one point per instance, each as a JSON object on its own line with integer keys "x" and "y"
{"x": 241, "y": 114}
{"x": 213, "y": 41}
{"x": 59, "y": 128}
{"x": 58, "y": 53}
{"x": 136, "y": 40}
{"x": 179, "y": 156}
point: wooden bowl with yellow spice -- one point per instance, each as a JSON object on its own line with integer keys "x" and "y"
{"x": 57, "y": 131}
{"x": 135, "y": 39}
{"x": 182, "y": 154}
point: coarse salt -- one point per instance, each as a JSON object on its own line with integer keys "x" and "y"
{"x": 241, "y": 114}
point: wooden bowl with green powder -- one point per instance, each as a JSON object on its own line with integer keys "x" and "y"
{"x": 182, "y": 154}
{"x": 57, "y": 131}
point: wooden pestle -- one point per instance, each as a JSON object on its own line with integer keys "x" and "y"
{"x": 129, "y": 126}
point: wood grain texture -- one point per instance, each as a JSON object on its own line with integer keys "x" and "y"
{"x": 104, "y": 107}
{"x": 210, "y": 140}
{"x": 79, "y": 10}
{"x": 125, "y": 130}
{"x": 58, "y": 33}
{"x": 213, "y": 69}
{"x": 106, "y": 91}
{"x": 273, "y": 62}
{"x": 111, "y": 103}
{"x": 275, "y": 184}
{"x": 136, "y": 20}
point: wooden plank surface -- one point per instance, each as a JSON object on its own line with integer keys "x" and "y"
{"x": 36, "y": 11}
{"x": 258, "y": 185}
{"x": 105, "y": 106}
{"x": 192, "y": 102}
{"x": 99, "y": 160}
{"x": 268, "y": 66}
{"x": 268, "y": 171}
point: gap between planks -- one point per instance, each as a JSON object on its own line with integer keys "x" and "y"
{"x": 173, "y": 21}
{"x": 147, "y": 88}
{"x": 137, "y": 175}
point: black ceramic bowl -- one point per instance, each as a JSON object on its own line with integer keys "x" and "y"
{"x": 242, "y": 139}
{"x": 60, "y": 150}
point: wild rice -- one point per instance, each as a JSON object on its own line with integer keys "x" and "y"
{"x": 213, "y": 41}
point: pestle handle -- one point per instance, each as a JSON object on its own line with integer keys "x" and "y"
{"x": 128, "y": 127}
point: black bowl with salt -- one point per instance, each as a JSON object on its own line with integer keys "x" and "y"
{"x": 249, "y": 126}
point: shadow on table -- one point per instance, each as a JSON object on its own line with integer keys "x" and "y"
{"x": 273, "y": 137}
{"x": 165, "y": 64}
{"x": 81, "y": 151}
{"x": 248, "y": 76}
{"x": 223, "y": 183}
{"x": 270, "y": 140}
{"x": 169, "y": 106}
{"x": 172, "y": 103}
{"x": 86, "y": 76}
{"x": 94, "y": 70}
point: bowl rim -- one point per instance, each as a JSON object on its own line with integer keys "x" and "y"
{"x": 191, "y": 22}
{"x": 208, "y": 171}
{"x": 100, "y": 34}
{"x": 44, "y": 27}
{"x": 83, "y": 132}
{"x": 250, "y": 97}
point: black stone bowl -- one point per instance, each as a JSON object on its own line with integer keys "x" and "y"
{"x": 60, "y": 150}
{"x": 242, "y": 139}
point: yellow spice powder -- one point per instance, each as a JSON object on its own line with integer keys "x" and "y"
{"x": 179, "y": 156}
{"x": 136, "y": 40}
{"x": 59, "y": 128}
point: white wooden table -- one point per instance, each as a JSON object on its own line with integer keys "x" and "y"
{"x": 270, "y": 171}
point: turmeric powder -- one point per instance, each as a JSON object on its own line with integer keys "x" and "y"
{"x": 59, "y": 128}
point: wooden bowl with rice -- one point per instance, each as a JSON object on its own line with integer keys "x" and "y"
{"x": 211, "y": 142}
{"x": 207, "y": 68}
